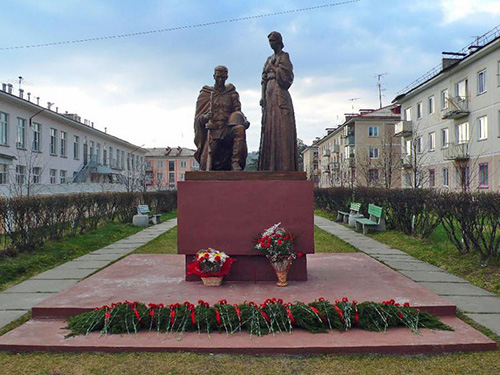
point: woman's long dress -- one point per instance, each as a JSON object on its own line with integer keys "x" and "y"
{"x": 278, "y": 140}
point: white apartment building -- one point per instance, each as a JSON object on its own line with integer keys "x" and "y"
{"x": 450, "y": 128}
{"x": 44, "y": 152}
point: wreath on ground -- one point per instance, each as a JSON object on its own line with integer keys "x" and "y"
{"x": 272, "y": 316}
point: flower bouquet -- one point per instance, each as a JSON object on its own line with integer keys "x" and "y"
{"x": 277, "y": 244}
{"x": 211, "y": 265}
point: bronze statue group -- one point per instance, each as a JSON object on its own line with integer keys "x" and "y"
{"x": 220, "y": 125}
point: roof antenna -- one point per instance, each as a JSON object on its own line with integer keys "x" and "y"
{"x": 352, "y": 101}
{"x": 379, "y": 85}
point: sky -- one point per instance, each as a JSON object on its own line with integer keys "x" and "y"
{"x": 143, "y": 88}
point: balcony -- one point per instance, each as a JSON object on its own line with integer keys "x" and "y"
{"x": 334, "y": 166}
{"x": 458, "y": 107}
{"x": 350, "y": 162}
{"x": 403, "y": 129}
{"x": 457, "y": 152}
{"x": 349, "y": 140}
{"x": 336, "y": 149}
{"x": 326, "y": 153}
{"x": 406, "y": 161}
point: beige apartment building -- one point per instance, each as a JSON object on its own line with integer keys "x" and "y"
{"x": 450, "y": 128}
{"x": 166, "y": 166}
{"x": 363, "y": 151}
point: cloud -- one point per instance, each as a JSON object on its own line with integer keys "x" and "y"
{"x": 457, "y": 10}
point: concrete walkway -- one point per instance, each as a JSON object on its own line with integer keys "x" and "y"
{"x": 18, "y": 300}
{"x": 480, "y": 305}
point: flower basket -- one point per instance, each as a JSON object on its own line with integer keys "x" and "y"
{"x": 212, "y": 281}
{"x": 281, "y": 266}
{"x": 211, "y": 265}
{"x": 277, "y": 244}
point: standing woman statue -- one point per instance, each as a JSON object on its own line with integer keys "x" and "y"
{"x": 278, "y": 140}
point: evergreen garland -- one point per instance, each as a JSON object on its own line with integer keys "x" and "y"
{"x": 271, "y": 317}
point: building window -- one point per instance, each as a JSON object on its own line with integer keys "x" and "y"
{"x": 171, "y": 178}
{"x": 76, "y": 147}
{"x": 98, "y": 153}
{"x": 408, "y": 147}
{"x": 133, "y": 163}
{"x": 431, "y": 105}
{"x": 432, "y": 178}
{"x": 4, "y": 126}
{"x": 37, "y": 134}
{"x": 118, "y": 164}
{"x": 461, "y": 90}
{"x": 36, "y": 175}
{"x": 62, "y": 177}
{"x": 372, "y": 175}
{"x": 444, "y": 138}
{"x": 64, "y": 137}
{"x": 408, "y": 114}
{"x": 21, "y": 133}
{"x": 20, "y": 174}
{"x": 373, "y": 131}
{"x": 419, "y": 110}
{"x": 104, "y": 156}
{"x": 4, "y": 173}
{"x": 111, "y": 163}
{"x": 52, "y": 175}
{"x": 462, "y": 133}
{"x": 128, "y": 161}
{"x": 148, "y": 164}
{"x": 373, "y": 152}
{"x": 481, "y": 82}
{"x": 419, "y": 145}
{"x": 159, "y": 164}
{"x": 432, "y": 141}
{"x": 462, "y": 177}
{"x": 407, "y": 179}
{"x": 183, "y": 164}
{"x": 483, "y": 175}
{"x": 196, "y": 165}
{"x": 123, "y": 159}
{"x": 53, "y": 141}
{"x": 444, "y": 99}
{"x": 159, "y": 177}
{"x": 482, "y": 125}
{"x": 445, "y": 176}
{"x": 182, "y": 176}
{"x": 171, "y": 165}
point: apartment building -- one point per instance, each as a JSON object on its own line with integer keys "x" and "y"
{"x": 43, "y": 151}
{"x": 362, "y": 151}
{"x": 166, "y": 166}
{"x": 310, "y": 158}
{"x": 450, "y": 128}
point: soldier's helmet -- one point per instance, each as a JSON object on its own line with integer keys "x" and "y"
{"x": 238, "y": 118}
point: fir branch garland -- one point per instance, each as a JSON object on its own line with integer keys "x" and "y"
{"x": 272, "y": 316}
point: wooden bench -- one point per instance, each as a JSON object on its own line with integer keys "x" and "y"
{"x": 353, "y": 210}
{"x": 143, "y": 209}
{"x": 376, "y": 220}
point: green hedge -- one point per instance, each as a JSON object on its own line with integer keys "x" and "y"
{"x": 471, "y": 220}
{"x": 27, "y": 222}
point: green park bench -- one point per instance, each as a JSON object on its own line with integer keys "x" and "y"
{"x": 143, "y": 209}
{"x": 376, "y": 220}
{"x": 353, "y": 211}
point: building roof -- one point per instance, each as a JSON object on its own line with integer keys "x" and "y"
{"x": 169, "y": 152}
{"x": 467, "y": 53}
{"x": 65, "y": 118}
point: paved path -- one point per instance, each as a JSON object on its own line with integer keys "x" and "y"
{"x": 18, "y": 300}
{"x": 478, "y": 304}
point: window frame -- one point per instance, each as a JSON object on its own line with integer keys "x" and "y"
{"x": 373, "y": 131}
{"x": 373, "y": 152}
{"x": 53, "y": 142}
{"x": 4, "y": 129}
{"x": 420, "y": 110}
{"x": 432, "y": 141}
{"x": 481, "y": 82}
{"x": 431, "y": 101}
{"x": 483, "y": 176}
{"x": 482, "y": 128}
{"x": 21, "y": 133}
{"x": 445, "y": 136}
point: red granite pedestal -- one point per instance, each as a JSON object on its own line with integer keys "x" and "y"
{"x": 228, "y": 210}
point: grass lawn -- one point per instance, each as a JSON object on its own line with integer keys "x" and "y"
{"x": 439, "y": 251}
{"x": 189, "y": 363}
{"x": 13, "y": 270}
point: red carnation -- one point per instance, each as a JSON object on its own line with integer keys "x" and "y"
{"x": 217, "y": 258}
{"x": 300, "y": 255}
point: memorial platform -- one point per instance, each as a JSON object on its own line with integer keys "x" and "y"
{"x": 160, "y": 279}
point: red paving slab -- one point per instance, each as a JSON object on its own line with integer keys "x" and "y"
{"x": 160, "y": 279}
{"x": 48, "y": 335}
